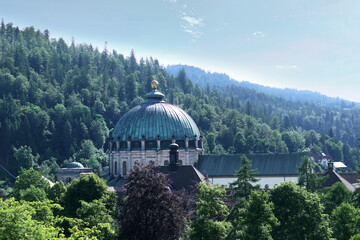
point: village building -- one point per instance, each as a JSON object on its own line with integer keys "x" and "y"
{"x": 72, "y": 171}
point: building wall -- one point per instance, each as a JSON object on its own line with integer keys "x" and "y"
{"x": 71, "y": 173}
{"x": 121, "y": 162}
{"x": 271, "y": 181}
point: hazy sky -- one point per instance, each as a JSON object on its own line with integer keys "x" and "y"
{"x": 305, "y": 44}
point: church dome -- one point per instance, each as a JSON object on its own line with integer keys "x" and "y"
{"x": 155, "y": 119}
{"x": 74, "y": 165}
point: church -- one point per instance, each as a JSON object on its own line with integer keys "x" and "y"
{"x": 143, "y": 136}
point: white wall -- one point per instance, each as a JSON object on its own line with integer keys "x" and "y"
{"x": 271, "y": 181}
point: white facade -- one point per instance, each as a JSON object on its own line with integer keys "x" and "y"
{"x": 121, "y": 162}
{"x": 270, "y": 181}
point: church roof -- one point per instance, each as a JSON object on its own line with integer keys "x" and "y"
{"x": 265, "y": 163}
{"x": 185, "y": 177}
{"x": 74, "y": 165}
{"x": 155, "y": 119}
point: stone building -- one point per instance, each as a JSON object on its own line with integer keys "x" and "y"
{"x": 72, "y": 171}
{"x": 143, "y": 135}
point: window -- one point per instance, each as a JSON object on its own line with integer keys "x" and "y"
{"x": 151, "y": 163}
{"x": 124, "y": 168}
{"x": 166, "y": 163}
{"x": 180, "y": 162}
{"x": 115, "y": 169}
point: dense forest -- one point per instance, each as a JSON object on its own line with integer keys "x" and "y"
{"x": 59, "y": 102}
{"x": 305, "y": 109}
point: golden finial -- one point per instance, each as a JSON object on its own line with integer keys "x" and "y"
{"x": 154, "y": 84}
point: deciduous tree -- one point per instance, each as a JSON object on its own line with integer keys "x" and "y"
{"x": 300, "y": 214}
{"x": 151, "y": 210}
{"x": 211, "y": 210}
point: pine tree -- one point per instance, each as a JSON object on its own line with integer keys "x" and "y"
{"x": 245, "y": 178}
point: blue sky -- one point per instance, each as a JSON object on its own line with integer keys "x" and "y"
{"x": 312, "y": 45}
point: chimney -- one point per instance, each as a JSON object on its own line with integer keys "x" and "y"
{"x": 174, "y": 156}
{"x": 330, "y": 166}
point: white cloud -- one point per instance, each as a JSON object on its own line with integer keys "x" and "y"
{"x": 173, "y": 1}
{"x": 192, "y": 25}
{"x": 258, "y": 34}
{"x": 193, "y": 22}
{"x": 288, "y": 67}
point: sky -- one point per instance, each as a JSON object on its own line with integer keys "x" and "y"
{"x": 301, "y": 44}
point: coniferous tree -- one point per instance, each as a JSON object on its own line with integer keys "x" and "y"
{"x": 307, "y": 176}
{"x": 245, "y": 178}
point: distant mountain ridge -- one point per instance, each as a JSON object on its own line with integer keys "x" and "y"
{"x": 202, "y": 78}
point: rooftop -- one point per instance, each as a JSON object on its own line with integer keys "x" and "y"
{"x": 265, "y": 163}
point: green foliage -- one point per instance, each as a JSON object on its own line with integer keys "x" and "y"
{"x": 24, "y": 157}
{"x": 307, "y": 176}
{"x": 94, "y": 212}
{"x": 245, "y": 178}
{"x": 355, "y": 237}
{"x": 17, "y": 222}
{"x": 333, "y": 196}
{"x": 210, "y": 207}
{"x": 299, "y": 212}
{"x": 31, "y": 185}
{"x": 87, "y": 188}
{"x": 33, "y": 194}
{"x": 57, "y": 192}
{"x": 345, "y": 221}
{"x": 258, "y": 217}
{"x": 49, "y": 168}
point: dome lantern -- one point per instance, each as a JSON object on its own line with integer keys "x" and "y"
{"x": 155, "y": 95}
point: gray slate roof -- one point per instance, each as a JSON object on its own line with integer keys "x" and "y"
{"x": 265, "y": 163}
{"x": 348, "y": 179}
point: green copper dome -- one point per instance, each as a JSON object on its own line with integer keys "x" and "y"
{"x": 155, "y": 119}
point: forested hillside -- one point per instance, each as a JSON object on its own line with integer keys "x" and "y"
{"x": 305, "y": 109}
{"x": 59, "y": 102}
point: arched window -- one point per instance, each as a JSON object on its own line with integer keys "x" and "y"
{"x": 151, "y": 163}
{"x": 115, "y": 169}
{"x": 124, "y": 168}
{"x": 166, "y": 163}
{"x": 180, "y": 162}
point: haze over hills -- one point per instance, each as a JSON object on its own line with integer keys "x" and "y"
{"x": 202, "y": 78}
{"x": 305, "y": 109}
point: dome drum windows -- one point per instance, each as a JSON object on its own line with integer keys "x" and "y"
{"x": 191, "y": 143}
{"x": 165, "y": 144}
{"x": 151, "y": 144}
{"x": 136, "y": 145}
{"x": 181, "y": 143}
